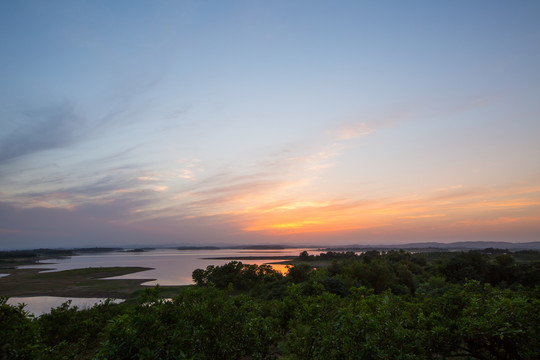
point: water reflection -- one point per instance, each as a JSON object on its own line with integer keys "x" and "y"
{"x": 282, "y": 268}
{"x": 39, "y": 305}
{"x": 170, "y": 266}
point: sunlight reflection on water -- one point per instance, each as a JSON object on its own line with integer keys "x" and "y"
{"x": 169, "y": 266}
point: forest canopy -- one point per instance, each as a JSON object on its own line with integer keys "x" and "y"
{"x": 392, "y": 305}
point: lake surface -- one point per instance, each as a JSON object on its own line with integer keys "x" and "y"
{"x": 39, "y": 305}
{"x": 170, "y": 266}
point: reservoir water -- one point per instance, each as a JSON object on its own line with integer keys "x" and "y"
{"x": 169, "y": 267}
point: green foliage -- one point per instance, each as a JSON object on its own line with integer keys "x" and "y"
{"x": 397, "y": 305}
{"x": 500, "y": 324}
{"x": 241, "y": 276}
{"x": 364, "y": 327}
{"x": 69, "y": 330}
{"x": 203, "y": 323}
{"x": 18, "y": 335}
{"x": 299, "y": 273}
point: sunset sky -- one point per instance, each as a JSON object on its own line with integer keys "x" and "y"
{"x": 256, "y": 122}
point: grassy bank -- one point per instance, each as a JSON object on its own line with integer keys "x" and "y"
{"x": 88, "y": 282}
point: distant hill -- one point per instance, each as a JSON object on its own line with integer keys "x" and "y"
{"x": 466, "y": 245}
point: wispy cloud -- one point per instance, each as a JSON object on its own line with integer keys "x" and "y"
{"x": 351, "y": 131}
{"x": 70, "y": 122}
{"x": 272, "y": 196}
{"x": 186, "y": 174}
{"x": 42, "y": 129}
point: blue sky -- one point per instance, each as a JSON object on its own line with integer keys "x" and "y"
{"x": 189, "y": 122}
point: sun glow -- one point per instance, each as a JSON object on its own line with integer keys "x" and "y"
{"x": 456, "y": 210}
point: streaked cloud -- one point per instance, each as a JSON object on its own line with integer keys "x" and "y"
{"x": 186, "y": 174}
{"x": 352, "y": 131}
{"x": 263, "y": 127}
{"x": 42, "y": 129}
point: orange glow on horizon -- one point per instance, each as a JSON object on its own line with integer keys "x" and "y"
{"x": 476, "y": 209}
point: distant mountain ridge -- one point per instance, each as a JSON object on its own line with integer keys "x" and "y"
{"x": 465, "y": 245}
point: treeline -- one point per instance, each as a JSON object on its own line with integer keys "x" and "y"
{"x": 19, "y": 254}
{"x": 395, "y": 305}
{"x": 36, "y": 253}
{"x": 400, "y": 272}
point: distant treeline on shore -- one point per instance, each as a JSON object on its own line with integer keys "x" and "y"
{"x": 18, "y": 254}
{"x": 415, "y": 247}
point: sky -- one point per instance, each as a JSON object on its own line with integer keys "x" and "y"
{"x": 128, "y": 123}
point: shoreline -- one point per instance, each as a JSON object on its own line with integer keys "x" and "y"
{"x": 88, "y": 282}
{"x": 80, "y": 283}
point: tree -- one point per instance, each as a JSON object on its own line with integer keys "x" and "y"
{"x": 299, "y": 273}
{"x": 304, "y": 256}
